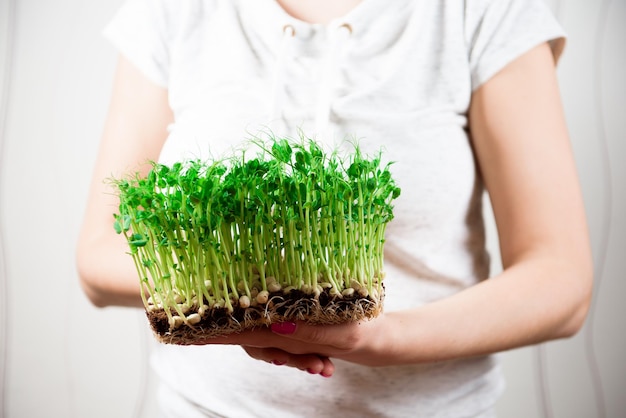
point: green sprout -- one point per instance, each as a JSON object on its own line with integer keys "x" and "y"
{"x": 230, "y": 234}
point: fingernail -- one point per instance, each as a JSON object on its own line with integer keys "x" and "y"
{"x": 277, "y": 362}
{"x": 284, "y": 327}
{"x": 325, "y": 375}
{"x": 310, "y": 371}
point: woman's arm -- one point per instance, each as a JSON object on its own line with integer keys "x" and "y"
{"x": 523, "y": 150}
{"x": 134, "y": 132}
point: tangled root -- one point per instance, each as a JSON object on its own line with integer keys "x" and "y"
{"x": 323, "y": 309}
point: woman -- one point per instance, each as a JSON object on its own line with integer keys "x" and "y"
{"x": 462, "y": 95}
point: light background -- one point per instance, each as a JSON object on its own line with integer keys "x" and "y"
{"x": 60, "y": 357}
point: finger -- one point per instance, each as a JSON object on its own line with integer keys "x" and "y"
{"x": 259, "y": 337}
{"x": 343, "y": 337}
{"x": 311, "y": 363}
{"x": 263, "y": 338}
{"x": 328, "y": 367}
{"x": 270, "y": 355}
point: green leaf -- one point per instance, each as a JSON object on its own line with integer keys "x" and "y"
{"x": 126, "y": 222}
{"x": 282, "y": 151}
{"x": 138, "y": 240}
{"x": 117, "y": 226}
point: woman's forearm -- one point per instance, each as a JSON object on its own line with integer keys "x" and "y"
{"x": 134, "y": 132}
{"x": 106, "y": 272}
{"x": 531, "y": 302}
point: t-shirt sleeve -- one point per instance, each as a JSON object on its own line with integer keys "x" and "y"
{"x": 139, "y": 30}
{"x": 502, "y": 30}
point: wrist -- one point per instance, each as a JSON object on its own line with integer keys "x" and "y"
{"x": 381, "y": 343}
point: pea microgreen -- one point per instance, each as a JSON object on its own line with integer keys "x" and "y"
{"x": 226, "y": 233}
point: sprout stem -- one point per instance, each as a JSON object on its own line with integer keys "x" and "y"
{"x": 207, "y": 231}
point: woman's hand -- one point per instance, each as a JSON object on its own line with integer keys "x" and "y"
{"x": 311, "y": 347}
{"x": 522, "y": 147}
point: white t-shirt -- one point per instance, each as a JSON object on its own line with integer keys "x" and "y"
{"x": 392, "y": 74}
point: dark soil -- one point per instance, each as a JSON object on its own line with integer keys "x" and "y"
{"x": 294, "y": 306}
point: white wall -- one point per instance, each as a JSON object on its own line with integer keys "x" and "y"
{"x": 586, "y": 376}
{"x": 60, "y": 357}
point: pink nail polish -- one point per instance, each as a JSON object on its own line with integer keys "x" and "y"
{"x": 277, "y": 363}
{"x": 284, "y": 327}
{"x": 310, "y": 371}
